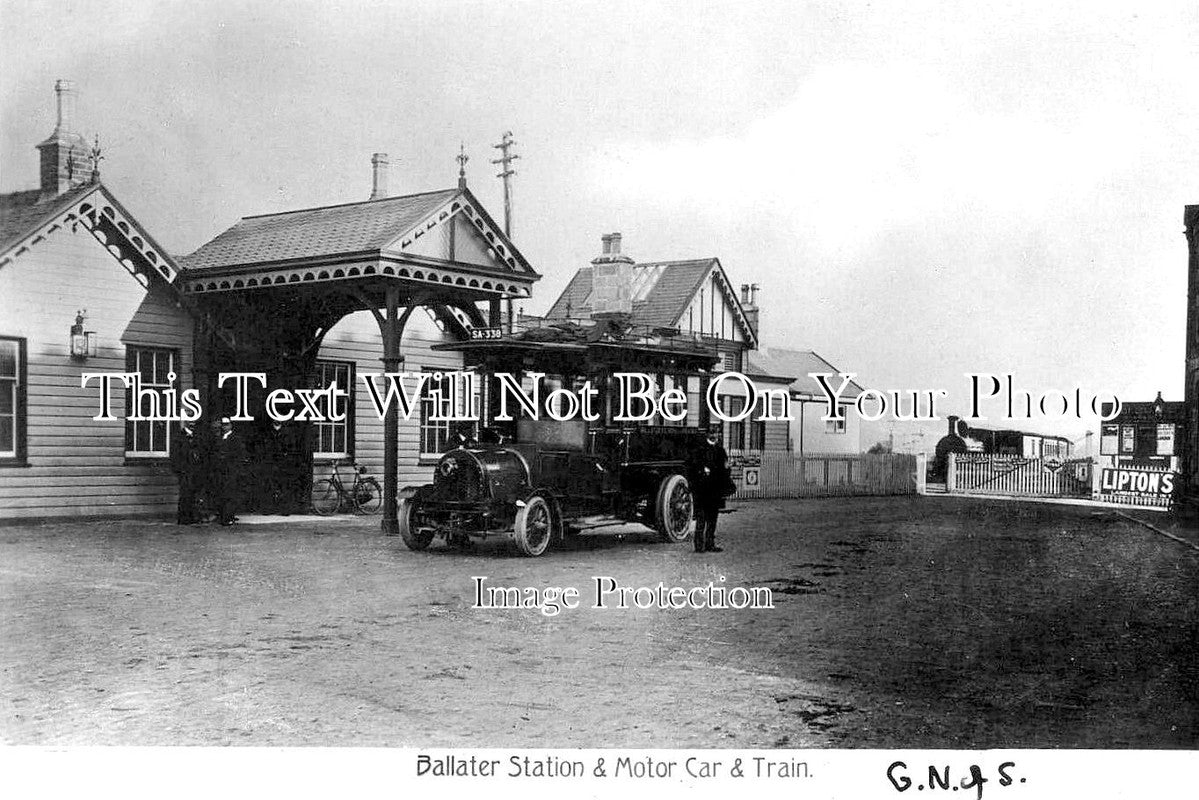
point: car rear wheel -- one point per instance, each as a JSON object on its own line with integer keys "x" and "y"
{"x": 415, "y": 537}
{"x": 674, "y": 510}
{"x": 535, "y": 527}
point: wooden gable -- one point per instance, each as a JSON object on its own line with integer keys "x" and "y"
{"x": 714, "y": 310}
{"x": 461, "y": 232}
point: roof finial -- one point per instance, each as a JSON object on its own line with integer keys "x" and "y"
{"x": 96, "y": 155}
{"x": 462, "y": 158}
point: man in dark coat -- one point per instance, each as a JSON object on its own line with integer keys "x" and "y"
{"x": 187, "y": 460}
{"x": 228, "y": 457}
{"x": 710, "y": 484}
{"x": 279, "y": 451}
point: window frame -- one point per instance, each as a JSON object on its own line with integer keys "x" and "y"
{"x": 443, "y": 429}
{"x": 20, "y": 412}
{"x": 733, "y": 404}
{"x": 331, "y": 456}
{"x": 133, "y": 354}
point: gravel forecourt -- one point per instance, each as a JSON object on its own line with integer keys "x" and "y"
{"x": 914, "y": 622}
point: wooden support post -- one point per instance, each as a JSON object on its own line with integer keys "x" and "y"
{"x": 391, "y": 329}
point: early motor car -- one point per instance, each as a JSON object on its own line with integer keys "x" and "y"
{"x": 538, "y": 480}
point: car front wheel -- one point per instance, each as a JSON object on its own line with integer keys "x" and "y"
{"x": 535, "y": 526}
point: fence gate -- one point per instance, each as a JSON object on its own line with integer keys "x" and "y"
{"x": 1025, "y": 477}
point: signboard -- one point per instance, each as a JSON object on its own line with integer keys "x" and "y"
{"x": 752, "y": 477}
{"x": 1109, "y": 440}
{"x": 477, "y": 334}
{"x": 740, "y": 464}
{"x": 1052, "y": 463}
{"x": 1128, "y": 439}
{"x": 1137, "y": 483}
{"x": 1165, "y": 440}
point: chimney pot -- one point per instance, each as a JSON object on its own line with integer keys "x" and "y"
{"x": 606, "y": 241}
{"x": 65, "y": 156}
{"x": 379, "y": 168}
{"x": 66, "y": 105}
{"x": 615, "y": 244}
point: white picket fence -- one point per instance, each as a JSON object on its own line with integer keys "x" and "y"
{"x": 971, "y": 473}
{"x": 763, "y": 474}
{"x": 985, "y": 474}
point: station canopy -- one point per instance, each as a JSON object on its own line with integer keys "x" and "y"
{"x": 439, "y": 249}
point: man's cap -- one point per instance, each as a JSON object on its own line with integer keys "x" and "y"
{"x": 225, "y": 420}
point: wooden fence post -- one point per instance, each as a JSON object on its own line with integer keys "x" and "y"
{"x": 951, "y": 483}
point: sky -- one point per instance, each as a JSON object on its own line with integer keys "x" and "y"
{"x": 922, "y": 190}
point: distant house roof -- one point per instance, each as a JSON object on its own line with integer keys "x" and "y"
{"x": 780, "y": 362}
{"x": 662, "y": 290}
{"x": 21, "y": 213}
{"x": 315, "y": 232}
{"x": 1172, "y": 411}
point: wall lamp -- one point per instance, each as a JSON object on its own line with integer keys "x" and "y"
{"x": 83, "y": 343}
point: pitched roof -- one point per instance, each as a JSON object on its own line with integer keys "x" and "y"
{"x": 796, "y": 364}
{"x": 21, "y": 213}
{"x": 315, "y": 232}
{"x": 661, "y": 291}
{"x": 1144, "y": 411}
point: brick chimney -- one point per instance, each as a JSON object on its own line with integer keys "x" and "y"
{"x": 749, "y": 304}
{"x": 379, "y": 169}
{"x": 611, "y": 279}
{"x": 65, "y": 156}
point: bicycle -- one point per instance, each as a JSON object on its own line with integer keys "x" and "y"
{"x": 364, "y": 496}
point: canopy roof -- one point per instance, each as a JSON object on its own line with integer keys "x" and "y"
{"x": 442, "y": 237}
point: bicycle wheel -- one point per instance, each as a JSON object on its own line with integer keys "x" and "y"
{"x": 368, "y": 496}
{"x": 325, "y": 497}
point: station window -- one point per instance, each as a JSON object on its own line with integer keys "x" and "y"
{"x": 149, "y": 438}
{"x": 334, "y": 439}
{"x": 12, "y": 400}
{"x": 440, "y": 398}
{"x": 835, "y": 425}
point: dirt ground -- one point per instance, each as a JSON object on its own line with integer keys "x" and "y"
{"x": 914, "y": 622}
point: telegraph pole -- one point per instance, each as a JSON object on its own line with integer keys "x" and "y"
{"x": 506, "y": 172}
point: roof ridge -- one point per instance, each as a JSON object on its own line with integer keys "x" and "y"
{"x": 344, "y": 205}
{"x": 676, "y": 262}
{"x": 789, "y": 350}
